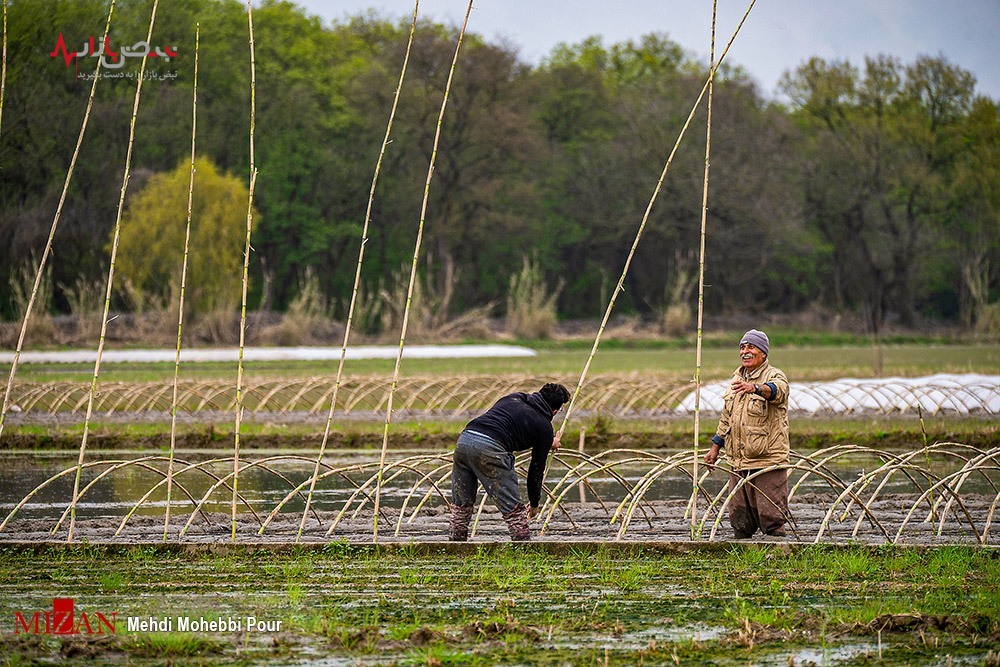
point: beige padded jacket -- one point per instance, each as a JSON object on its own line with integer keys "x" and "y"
{"x": 755, "y": 430}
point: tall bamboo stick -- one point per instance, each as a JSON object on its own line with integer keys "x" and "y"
{"x": 55, "y": 220}
{"x": 357, "y": 275}
{"x": 701, "y": 287}
{"x": 642, "y": 225}
{"x": 246, "y": 275}
{"x": 111, "y": 278}
{"x": 184, "y": 268}
{"x": 3, "y": 62}
{"x": 413, "y": 274}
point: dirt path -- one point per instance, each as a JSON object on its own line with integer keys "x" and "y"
{"x": 655, "y": 522}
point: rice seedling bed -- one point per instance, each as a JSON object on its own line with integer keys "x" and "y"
{"x": 542, "y": 603}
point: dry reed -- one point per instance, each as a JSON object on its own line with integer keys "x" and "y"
{"x": 942, "y": 495}
{"x": 531, "y": 309}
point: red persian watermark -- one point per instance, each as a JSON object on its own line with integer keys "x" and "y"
{"x": 111, "y": 58}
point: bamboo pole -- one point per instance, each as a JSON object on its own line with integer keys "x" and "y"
{"x": 184, "y": 268}
{"x": 620, "y": 286}
{"x": 55, "y": 220}
{"x": 111, "y": 277}
{"x": 357, "y": 273}
{"x": 3, "y": 62}
{"x": 246, "y": 277}
{"x": 701, "y": 287}
{"x": 413, "y": 272}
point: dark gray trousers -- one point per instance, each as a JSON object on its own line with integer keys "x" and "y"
{"x": 480, "y": 459}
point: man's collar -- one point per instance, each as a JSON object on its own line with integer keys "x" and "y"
{"x": 755, "y": 372}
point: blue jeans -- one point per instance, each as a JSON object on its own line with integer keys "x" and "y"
{"x": 481, "y": 459}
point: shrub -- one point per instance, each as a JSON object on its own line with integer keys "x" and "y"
{"x": 531, "y": 309}
{"x": 41, "y": 328}
{"x": 152, "y": 236}
{"x": 988, "y": 322}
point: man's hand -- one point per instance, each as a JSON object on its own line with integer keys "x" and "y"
{"x": 533, "y": 512}
{"x": 713, "y": 455}
{"x": 556, "y": 441}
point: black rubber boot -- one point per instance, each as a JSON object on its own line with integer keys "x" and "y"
{"x": 458, "y": 525}
{"x": 517, "y": 523}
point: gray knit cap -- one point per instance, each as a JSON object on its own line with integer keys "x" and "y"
{"x": 758, "y": 339}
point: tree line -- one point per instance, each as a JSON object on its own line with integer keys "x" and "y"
{"x": 871, "y": 189}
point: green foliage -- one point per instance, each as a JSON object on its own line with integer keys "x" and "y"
{"x": 556, "y": 162}
{"x": 151, "y": 249}
{"x": 921, "y": 221}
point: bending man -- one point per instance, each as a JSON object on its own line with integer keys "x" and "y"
{"x": 485, "y": 454}
{"x": 754, "y": 430}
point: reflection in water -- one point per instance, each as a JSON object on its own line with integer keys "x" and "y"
{"x": 265, "y": 486}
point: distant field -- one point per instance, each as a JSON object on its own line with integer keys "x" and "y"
{"x": 566, "y": 362}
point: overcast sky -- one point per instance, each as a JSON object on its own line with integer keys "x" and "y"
{"x": 778, "y": 34}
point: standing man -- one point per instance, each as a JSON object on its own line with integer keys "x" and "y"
{"x": 754, "y": 430}
{"x": 485, "y": 454}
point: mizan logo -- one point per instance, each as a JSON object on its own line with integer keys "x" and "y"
{"x": 64, "y": 620}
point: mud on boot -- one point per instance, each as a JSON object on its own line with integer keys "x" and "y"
{"x": 517, "y": 523}
{"x": 458, "y": 524}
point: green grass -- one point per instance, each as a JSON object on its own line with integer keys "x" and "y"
{"x": 565, "y": 361}
{"x": 170, "y": 645}
{"x": 892, "y": 432}
{"x": 528, "y": 604}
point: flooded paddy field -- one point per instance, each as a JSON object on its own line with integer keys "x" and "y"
{"x": 537, "y": 603}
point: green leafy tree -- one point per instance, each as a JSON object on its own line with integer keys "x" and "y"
{"x": 152, "y": 237}
{"x": 314, "y": 164}
{"x": 611, "y": 116}
{"x": 881, "y": 150}
{"x": 972, "y": 235}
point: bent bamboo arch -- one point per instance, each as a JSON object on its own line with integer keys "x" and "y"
{"x": 459, "y": 396}
{"x": 952, "y": 492}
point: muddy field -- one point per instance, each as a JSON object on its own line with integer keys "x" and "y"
{"x": 653, "y": 522}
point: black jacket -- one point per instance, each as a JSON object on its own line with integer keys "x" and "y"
{"x": 521, "y": 421}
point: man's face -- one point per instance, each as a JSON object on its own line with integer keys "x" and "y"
{"x": 751, "y": 356}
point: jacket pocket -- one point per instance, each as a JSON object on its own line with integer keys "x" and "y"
{"x": 757, "y": 407}
{"x": 757, "y": 442}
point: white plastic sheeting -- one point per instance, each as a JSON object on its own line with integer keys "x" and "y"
{"x": 272, "y": 354}
{"x": 934, "y": 394}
